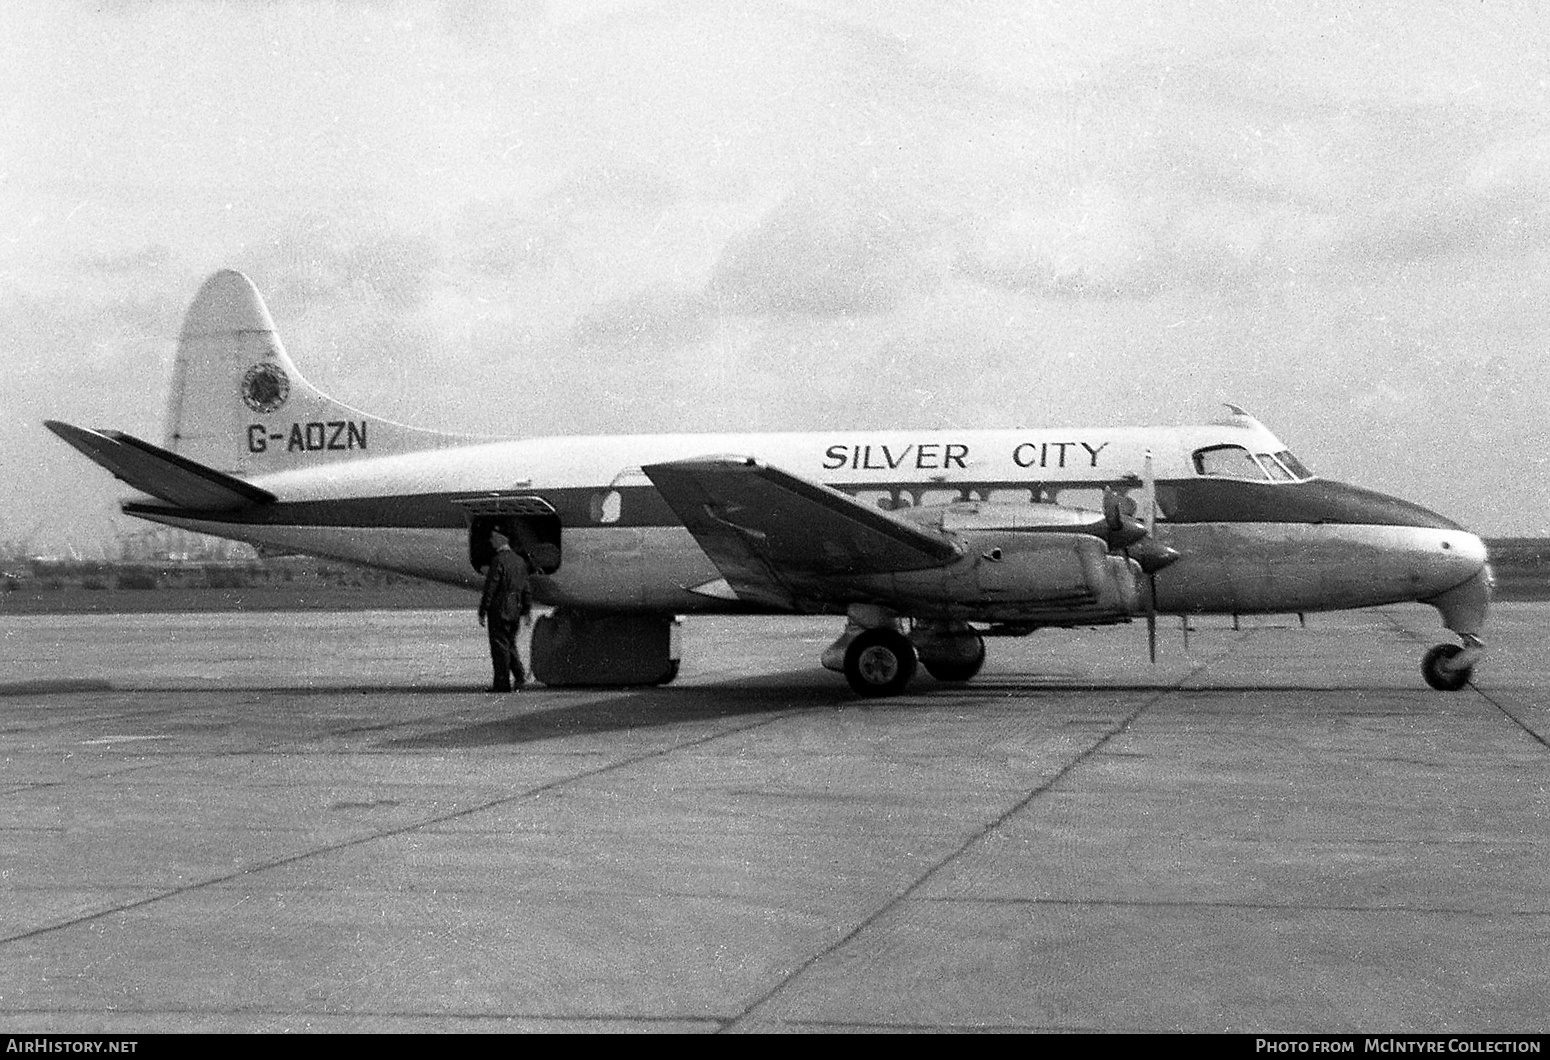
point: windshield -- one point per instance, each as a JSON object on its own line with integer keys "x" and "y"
{"x": 1234, "y": 461}
{"x": 1298, "y": 469}
{"x": 1228, "y": 461}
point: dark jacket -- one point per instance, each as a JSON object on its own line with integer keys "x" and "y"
{"x": 505, "y": 587}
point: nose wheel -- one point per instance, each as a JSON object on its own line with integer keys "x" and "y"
{"x": 1448, "y": 667}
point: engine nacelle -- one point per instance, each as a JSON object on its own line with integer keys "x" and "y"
{"x": 1052, "y": 578}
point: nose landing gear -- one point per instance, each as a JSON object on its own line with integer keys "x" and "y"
{"x": 1449, "y": 667}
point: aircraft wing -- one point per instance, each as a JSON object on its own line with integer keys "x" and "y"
{"x": 774, "y": 535}
{"x": 167, "y": 476}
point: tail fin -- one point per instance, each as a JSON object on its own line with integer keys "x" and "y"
{"x": 239, "y": 405}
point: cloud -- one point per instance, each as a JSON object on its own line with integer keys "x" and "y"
{"x": 488, "y": 22}
{"x": 657, "y": 317}
{"x": 150, "y": 256}
{"x": 314, "y": 260}
{"x": 817, "y": 254}
{"x": 1097, "y": 243}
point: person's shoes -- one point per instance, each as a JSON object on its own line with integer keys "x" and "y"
{"x": 501, "y": 688}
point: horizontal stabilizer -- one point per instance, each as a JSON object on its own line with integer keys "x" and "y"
{"x": 773, "y": 534}
{"x": 166, "y": 476}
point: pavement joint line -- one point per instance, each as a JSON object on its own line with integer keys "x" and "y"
{"x": 1519, "y": 722}
{"x": 1123, "y": 725}
{"x": 389, "y": 833}
{"x": 1482, "y": 693}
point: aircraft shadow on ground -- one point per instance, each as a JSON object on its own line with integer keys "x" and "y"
{"x": 532, "y": 717}
{"x": 622, "y": 710}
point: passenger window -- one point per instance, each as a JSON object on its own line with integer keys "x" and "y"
{"x": 1089, "y": 498}
{"x": 607, "y": 507}
{"x": 876, "y": 499}
{"x": 1228, "y": 461}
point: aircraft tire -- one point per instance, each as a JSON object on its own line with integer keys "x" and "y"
{"x": 880, "y": 662}
{"x": 669, "y": 675}
{"x": 1437, "y": 676}
{"x": 956, "y": 669}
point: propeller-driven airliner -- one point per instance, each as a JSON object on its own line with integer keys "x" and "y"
{"x": 925, "y": 542}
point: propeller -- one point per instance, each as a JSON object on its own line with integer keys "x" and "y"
{"x": 1137, "y": 540}
{"x": 1149, "y": 553}
{"x": 1149, "y": 498}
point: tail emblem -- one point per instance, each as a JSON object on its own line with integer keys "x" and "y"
{"x": 265, "y": 387}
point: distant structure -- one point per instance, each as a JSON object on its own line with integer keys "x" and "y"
{"x": 165, "y": 544}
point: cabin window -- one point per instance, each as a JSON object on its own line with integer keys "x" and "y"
{"x": 884, "y": 499}
{"x": 1228, "y": 461}
{"x": 932, "y": 497}
{"x": 607, "y": 507}
{"x": 1088, "y": 498}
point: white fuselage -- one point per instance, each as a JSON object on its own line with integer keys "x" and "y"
{"x": 1246, "y": 546}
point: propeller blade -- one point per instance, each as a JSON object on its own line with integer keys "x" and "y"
{"x": 1113, "y": 516}
{"x": 1149, "y": 491}
{"x": 1151, "y": 626}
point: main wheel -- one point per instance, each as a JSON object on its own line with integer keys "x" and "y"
{"x": 1436, "y": 673}
{"x": 956, "y": 669}
{"x": 880, "y": 662}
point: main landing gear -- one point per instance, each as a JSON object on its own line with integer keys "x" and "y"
{"x": 879, "y": 662}
{"x": 1449, "y": 667}
{"x": 879, "y": 659}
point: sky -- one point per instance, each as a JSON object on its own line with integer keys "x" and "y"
{"x": 542, "y": 217}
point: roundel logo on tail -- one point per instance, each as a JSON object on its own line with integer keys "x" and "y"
{"x": 265, "y": 387}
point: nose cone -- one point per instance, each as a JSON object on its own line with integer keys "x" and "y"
{"x": 1446, "y": 558}
{"x": 1455, "y": 567}
{"x": 1438, "y": 553}
{"x": 1444, "y": 564}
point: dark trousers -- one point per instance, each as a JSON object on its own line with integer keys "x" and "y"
{"x": 503, "y": 652}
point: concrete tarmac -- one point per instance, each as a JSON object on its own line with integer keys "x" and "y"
{"x": 314, "y": 822}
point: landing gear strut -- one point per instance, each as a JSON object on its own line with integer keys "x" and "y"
{"x": 1448, "y": 667}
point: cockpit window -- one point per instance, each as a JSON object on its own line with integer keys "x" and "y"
{"x": 1295, "y": 466}
{"x": 1272, "y": 465}
{"x": 1228, "y": 461}
{"x": 1234, "y": 461}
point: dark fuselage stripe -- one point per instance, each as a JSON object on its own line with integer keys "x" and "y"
{"x": 1183, "y": 501}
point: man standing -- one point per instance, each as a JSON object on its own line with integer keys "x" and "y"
{"x": 503, "y": 603}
